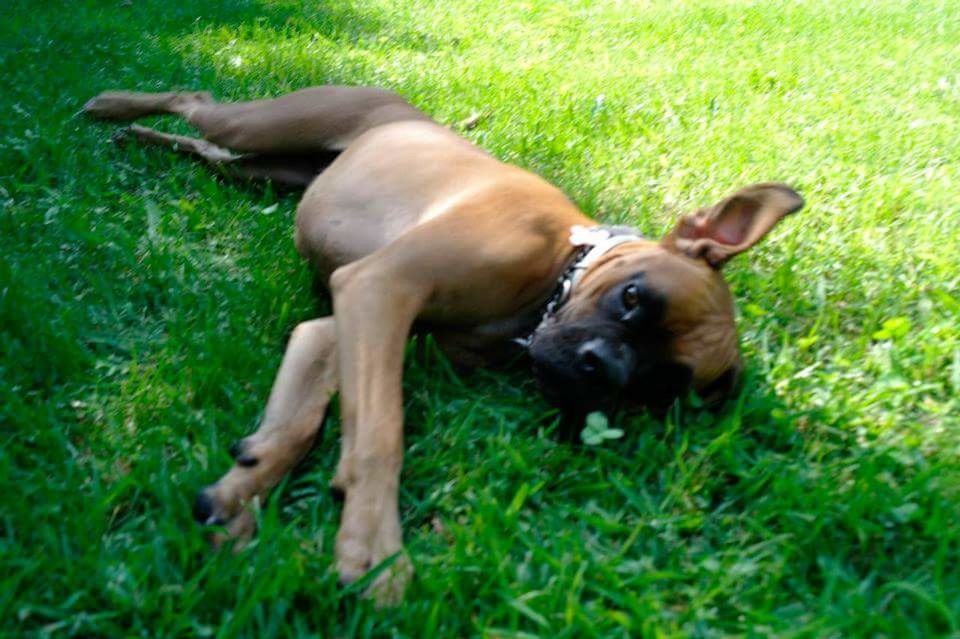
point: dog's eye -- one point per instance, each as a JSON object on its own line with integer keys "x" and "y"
{"x": 631, "y": 297}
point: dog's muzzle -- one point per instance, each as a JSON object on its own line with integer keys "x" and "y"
{"x": 582, "y": 366}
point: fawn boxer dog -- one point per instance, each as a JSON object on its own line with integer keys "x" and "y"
{"x": 407, "y": 223}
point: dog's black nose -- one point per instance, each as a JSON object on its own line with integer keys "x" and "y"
{"x": 603, "y": 361}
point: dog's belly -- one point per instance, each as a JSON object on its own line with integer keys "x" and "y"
{"x": 391, "y": 179}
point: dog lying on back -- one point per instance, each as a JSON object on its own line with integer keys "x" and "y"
{"x": 410, "y": 223}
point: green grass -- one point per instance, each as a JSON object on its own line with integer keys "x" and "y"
{"x": 144, "y": 305}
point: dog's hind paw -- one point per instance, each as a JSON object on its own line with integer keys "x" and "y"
{"x": 123, "y": 106}
{"x": 119, "y": 106}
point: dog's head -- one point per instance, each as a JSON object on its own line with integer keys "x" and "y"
{"x": 650, "y": 319}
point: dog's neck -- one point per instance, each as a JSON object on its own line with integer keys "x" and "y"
{"x": 594, "y": 242}
{"x": 591, "y": 243}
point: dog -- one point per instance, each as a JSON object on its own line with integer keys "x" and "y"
{"x": 409, "y": 223}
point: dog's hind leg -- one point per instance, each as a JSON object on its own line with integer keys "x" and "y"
{"x": 125, "y": 106}
{"x": 192, "y": 146}
{"x": 290, "y": 170}
{"x": 298, "y": 401}
{"x": 326, "y": 118}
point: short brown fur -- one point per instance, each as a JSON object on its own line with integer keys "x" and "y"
{"x": 412, "y": 223}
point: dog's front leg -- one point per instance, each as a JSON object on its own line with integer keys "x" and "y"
{"x": 298, "y": 401}
{"x": 374, "y": 308}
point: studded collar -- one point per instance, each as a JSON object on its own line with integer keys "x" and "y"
{"x": 592, "y": 243}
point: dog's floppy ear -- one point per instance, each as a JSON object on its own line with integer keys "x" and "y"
{"x": 732, "y": 226}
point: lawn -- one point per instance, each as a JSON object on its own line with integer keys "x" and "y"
{"x": 145, "y": 303}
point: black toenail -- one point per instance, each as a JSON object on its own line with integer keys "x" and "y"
{"x": 238, "y": 452}
{"x": 203, "y": 509}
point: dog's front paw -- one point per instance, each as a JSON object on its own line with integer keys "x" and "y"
{"x": 393, "y": 573}
{"x": 371, "y": 541}
{"x": 215, "y": 506}
{"x": 229, "y": 502}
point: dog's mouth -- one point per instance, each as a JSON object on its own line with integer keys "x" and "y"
{"x": 572, "y": 395}
{"x": 585, "y": 368}
{"x": 580, "y": 368}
